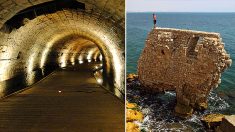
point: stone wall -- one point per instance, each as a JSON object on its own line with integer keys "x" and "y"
{"x": 63, "y": 35}
{"x": 114, "y": 9}
{"x": 188, "y": 62}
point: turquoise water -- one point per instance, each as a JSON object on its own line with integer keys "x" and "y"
{"x": 139, "y": 24}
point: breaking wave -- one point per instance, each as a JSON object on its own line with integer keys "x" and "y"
{"x": 159, "y": 110}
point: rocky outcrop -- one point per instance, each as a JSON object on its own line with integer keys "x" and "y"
{"x": 227, "y": 124}
{"x": 212, "y": 121}
{"x": 185, "y": 61}
{"x": 219, "y": 122}
{"x": 132, "y": 127}
{"x": 133, "y": 115}
{"x": 131, "y": 105}
{"x": 131, "y": 77}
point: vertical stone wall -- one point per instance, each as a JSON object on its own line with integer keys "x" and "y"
{"x": 188, "y": 62}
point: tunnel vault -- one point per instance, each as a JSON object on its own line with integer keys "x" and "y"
{"x": 62, "y": 37}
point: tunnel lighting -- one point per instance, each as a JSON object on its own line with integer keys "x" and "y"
{"x": 96, "y": 55}
{"x": 63, "y": 60}
{"x": 59, "y": 91}
{"x": 63, "y": 64}
{"x": 99, "y": 81}
{"x": 80, "y": 61}
{"x": 100, "y": 57}
{"x": 117, "y": 93}
{"x": 107, "y": 42}
{"x": 44, "y": 56}
{"x": 118, "y": 66}
{"x": 3, "y": 71}
{"x": 46, "y": 51}
{"x": 117, "y": 61}
{"x": 80, "y": 58}
{"x": 89, "y": 56}
{"x": 30, "y": 63}
{"x": 30, "y": 78}
{"x": 72, "y": 60}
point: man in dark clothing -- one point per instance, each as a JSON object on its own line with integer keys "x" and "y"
{"x": 154, "y": 19}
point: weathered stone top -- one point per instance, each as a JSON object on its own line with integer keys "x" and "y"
{"x": 185, "y": 31}
{"x": 186, "y": 61}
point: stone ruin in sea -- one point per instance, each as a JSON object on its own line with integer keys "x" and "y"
{"x": 185, "y": 61}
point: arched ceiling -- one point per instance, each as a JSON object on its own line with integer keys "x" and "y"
{"x": 114, "y": 9}
{"x": 98, "y": 29}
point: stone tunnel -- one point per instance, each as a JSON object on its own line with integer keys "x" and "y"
{"x": 185, "y": 61}
{"x": 37, "y": 34}
{"x": 62, "y": 65}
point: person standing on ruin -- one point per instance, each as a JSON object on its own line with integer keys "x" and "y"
{"x": 154, "y": 20}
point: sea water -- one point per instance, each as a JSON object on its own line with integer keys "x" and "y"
{"x": 221, "y": 99}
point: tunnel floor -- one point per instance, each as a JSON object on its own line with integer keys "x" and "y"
{"x": 66, "y": 100}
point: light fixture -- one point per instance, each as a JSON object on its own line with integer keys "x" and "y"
{"x": 80, "y": 61}
{"x": 99, "y": 81}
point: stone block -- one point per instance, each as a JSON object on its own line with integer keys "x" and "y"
{"x": 187, "y": 59}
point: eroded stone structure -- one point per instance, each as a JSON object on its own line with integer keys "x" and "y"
{"x": 188, "y": 62}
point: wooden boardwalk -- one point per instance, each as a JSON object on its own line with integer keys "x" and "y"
{"x": 66, "y": 100}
